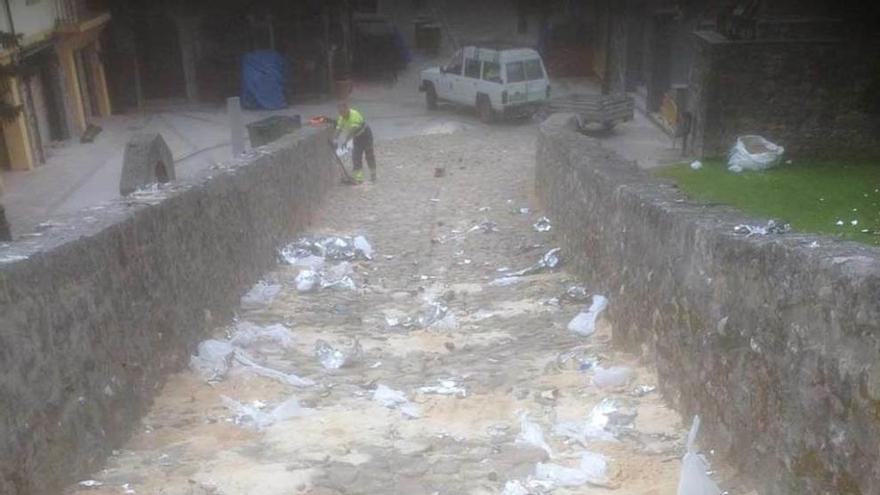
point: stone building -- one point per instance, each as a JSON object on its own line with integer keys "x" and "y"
{"x": 61, "y": 85}
{"x": 804, "y": 74}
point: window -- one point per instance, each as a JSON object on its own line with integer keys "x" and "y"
{"x": 454, "y": 65}
{"x": 516, "y": 72}
{"x": 534, "y": 70}
{"x": 491, "y": 72}
{"x": 472, "y": 68}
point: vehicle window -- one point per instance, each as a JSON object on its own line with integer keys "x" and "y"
{"x": 534, "y": 70}
{"x": 454, "y": 65}
{"x": 516, "y": 72}
{"x": 472, "y": 68}
{"x": 491, "y": 72}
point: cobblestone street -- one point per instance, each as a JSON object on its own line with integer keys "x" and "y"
{"x": 452, "y": 406}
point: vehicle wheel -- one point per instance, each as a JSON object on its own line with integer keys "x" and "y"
{"x": 485, "y": 111}
{"x": 431, "y": 97}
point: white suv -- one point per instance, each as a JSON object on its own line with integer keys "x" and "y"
{"x": 504, "y": 82}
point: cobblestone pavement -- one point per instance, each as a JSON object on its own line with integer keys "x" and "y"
{"x": 505, "y": 354}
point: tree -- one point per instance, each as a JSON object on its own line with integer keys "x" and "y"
{"x": 8, "y": 41}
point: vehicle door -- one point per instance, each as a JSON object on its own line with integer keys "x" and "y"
{"x": 451, "y": 78}
{"x": 536, "y": 80}
{"x": 470, "y": 84}
{"x": 515, "y": 82}
{"x": 491, "y": 82}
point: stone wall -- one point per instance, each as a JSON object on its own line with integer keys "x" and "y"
{"x": 96, "y": 311}
{"x": 812, "y": 96}
{"x": 773, "y": 341}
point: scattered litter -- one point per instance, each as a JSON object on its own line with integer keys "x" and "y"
{"x": 694, "y": 478}
{"x": 754, "y": 153}
{"x": 853, "y": 222}
{"x": 90, "y": 483}
{"x": 436, "y": 311}
{"x": 593, "y": 468}
{"x": 514, "y": 487}
{"x": 839, "y": 223}
{"x": 531, "y": 434}
{"x": 772, "y": 227}
{"x": 212, "y": 360}
{"x": 335, "y": 248}
{"x": 593, "y": 428}
{"x": 560, "y": 476}
{"x": 584, "y": 323}
{"x": 446, "y": 387}
{"x": 613, "y": 377}
{"x": 643, "y": 390}
{"x": 127, "y": 489}
{"x": 696, "y": 165}
{"x": 363, "y": 247}
{"x": 395, "y": 399}
{"x": 576, "y": 293}
{"x": 484, "y": 209}
{"x": 261, "y": 294}
{"x": 287, "y": 378}
{"x": 307, "y": 281}
{"x": 543, "y": 225}
{"x": 525, "y": 211}
{"x": 338, "y": 276}
{"x": 549, "y": 261}
{"x": 487, "y": 226}
{"x": 330, "y": 358}
{"x": 254, "y": 417}
{"x": 247, "y": 334}
{"x": 814, "y": 244}
{"x": 505, "y": 281}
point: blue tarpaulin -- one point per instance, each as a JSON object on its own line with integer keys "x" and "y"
{"x": 263, "y": 77}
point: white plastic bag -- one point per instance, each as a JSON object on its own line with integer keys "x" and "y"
{"x": 248, "y": 334}
{"x": 212, "y": 360}
{"x": 585, "y": 322}
{"x": 694, "y": 480}
{"x": 616, "y": 376}
{"x": 531, "y": 434}
{"x": 754, "y": 153}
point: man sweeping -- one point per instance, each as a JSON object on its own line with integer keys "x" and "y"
{"x": 351, "y": 125}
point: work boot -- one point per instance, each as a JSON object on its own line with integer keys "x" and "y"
{"x": 358, "y": 176}
{"x": 372, "y": 176}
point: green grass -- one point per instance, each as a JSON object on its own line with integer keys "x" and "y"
{"x": 812, "y": 196}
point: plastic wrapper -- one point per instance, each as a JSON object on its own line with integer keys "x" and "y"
{"x": 696, "y": 165}
{"x": 595, "y": 427}
{"x": 754, "y": 153}
{"x": 247, "y": 334}
{"x": 307, "y": 281}
{"x": 543, "y": 225}
{"x": 395, "y": 399}
{"x": 280, "y": 376}
{"x": 531, "y": 434}
{"x": 694, "y": 479}
{"x": 614, "y": 377}
{"x": 576, "y": 293}
{"x": 505, "y": 281}
{"x": 254, "y": 417}
{"x": 333, "y": 358}
{"x": 772, "y": 227}
{"x": 584, "y": 323}
{"x": 212, "y": 360}
{"x": 334, "y": 248}
{"x": 549, "y": 261}
{"x": 514, "y": 487}
{"x": 446, "y": 387}
{"x": 261, "y": 294}
{"x": 487, "y": 226}
{"x": 435, "y": 312}
{"x": 363, "y": 247}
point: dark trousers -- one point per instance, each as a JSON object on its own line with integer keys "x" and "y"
{"x": 363, "y": 145}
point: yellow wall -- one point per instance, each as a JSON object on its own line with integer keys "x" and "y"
{"x": 17, "y": 132}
